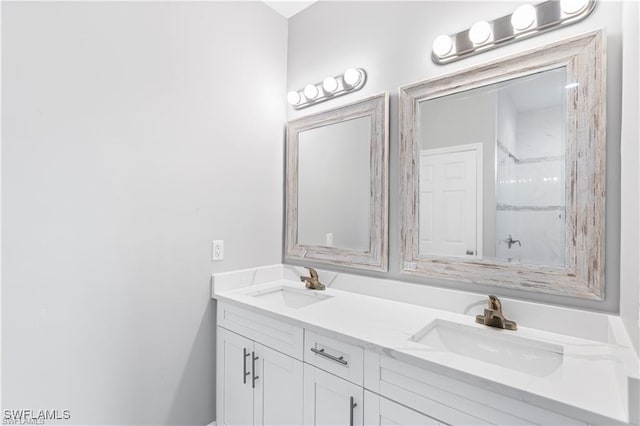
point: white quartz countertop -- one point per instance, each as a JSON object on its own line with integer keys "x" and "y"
{"x": 590, "y": 382}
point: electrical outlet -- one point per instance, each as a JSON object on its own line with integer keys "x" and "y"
{"x": 329, "y": 238}
{"x": 218, "y": 250}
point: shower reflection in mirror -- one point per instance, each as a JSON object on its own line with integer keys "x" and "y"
{"x": 492, "y": 171}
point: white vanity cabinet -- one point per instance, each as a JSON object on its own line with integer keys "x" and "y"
{"x": 235, "y": 391}
{"x": 256, "y": 384}
{"x": 333, "y": 379}
{"x": 380, "y": 411}
{"x": 330, "y": 400}
{"x": 272, "y": 372}
{"x": 447, "y": 400}
{"x": 337, "y": 357}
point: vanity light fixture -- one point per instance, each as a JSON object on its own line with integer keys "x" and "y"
{"x": 480, "y": 32}
{"x": 442, "y": 45}
{"x": 331, "y": 87}
{"x": 526, "y": 21}
{"x": 330, "y": 84}
{"x": 294, "y": 98}
{"x": 523, "y": 17}
{"x": 352, "y": 76}
{"x": 311, "y": 91}
{"x": 571, "y": 7}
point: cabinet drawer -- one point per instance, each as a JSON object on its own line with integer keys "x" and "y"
{"x": 379, "y": 411}
{"x": 434, "y": 395}
{"x": 342, "y": 359}
{"x": 275, "y": 334}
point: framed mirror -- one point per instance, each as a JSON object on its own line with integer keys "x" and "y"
{"x": 503, "y": 172}
{"x": 337, "y": 186}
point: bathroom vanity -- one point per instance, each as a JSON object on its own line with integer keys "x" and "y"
{"x": 502, "y": 184}
{"x": 289, "y": 355}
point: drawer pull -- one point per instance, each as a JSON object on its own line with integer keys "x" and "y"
{"x": 254, "y": 358}
{"x": 337, "y": 359}
{"x": 245, "y": 373}
{"x": 352, "y": 405}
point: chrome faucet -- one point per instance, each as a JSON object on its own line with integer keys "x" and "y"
{"x": 510, "y": 241}
{"x": 493, "y": 316}
{"x": 312, "y": 282}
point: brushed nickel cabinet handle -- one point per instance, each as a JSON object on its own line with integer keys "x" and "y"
{"x": 254, "y": 358}
{"x": 245, "y": 373}
{"x": 338, "y": 359}
{"x": 352, "y": 405}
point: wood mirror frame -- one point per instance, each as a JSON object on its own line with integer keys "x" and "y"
{"x": 585, "y": 132}
{"x": 376, "y": 257}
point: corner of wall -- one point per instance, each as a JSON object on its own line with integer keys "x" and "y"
{"x": 630, "y": 177}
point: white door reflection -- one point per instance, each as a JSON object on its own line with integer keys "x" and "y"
{"x": 451, "y": 201}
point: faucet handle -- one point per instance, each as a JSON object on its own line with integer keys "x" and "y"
{"x": 494, "y": 303}
{"x": 312, "y": 272}
{"x": 312, "y": 282}
{"x": 494, "y": 317}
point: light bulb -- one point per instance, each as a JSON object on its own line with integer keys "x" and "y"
{"x": 294, "y": 98}
{"x": 330, "y": 84}
{"x": 523, "y": 17}
{"x": 442, "y": 45}
{"x": 351, "y": 76}
{"x": 571, "y": 7}
{"x": 480, "y": 32}
{"x": 311, "y": 91}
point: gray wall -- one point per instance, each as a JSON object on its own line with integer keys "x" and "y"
{"x": 133, "y": 134}
{"x": 334, "y": 184}
{"x": 392, "y": 42}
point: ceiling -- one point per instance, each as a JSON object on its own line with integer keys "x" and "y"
{"x": 288, "y": 8}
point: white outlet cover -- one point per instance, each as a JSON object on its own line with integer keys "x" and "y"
{"x": 329, "y": 239}
{"x": 218, "y": 250}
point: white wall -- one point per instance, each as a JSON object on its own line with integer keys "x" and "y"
{"x": 392, "y": 42}
{"x": 133, "y": 134}
{"x": 630, "y": 150}
{"x": 539, "y": 183}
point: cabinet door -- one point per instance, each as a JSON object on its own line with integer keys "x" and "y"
{"x": 330, "y": 400}
{"x": 278, "y": 388}
{"x": 234, "y": 392}
{"x": 379, "y": 411}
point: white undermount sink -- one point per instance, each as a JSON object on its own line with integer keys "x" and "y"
{"x": 290, "y": 297}
{"x": 495, "y": 346}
